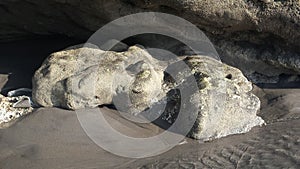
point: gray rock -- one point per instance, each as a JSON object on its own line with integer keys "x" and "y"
{"x": 12, "y": 108}
{"x": 80, "y": 77}
{"x": 244, "y": 32}
{"x": 3, "y": 81}
{"x": 227, "y": 105}
{"x": 79, "y": 19}
{"x": 259, "y": 63}
{"x": 223, "y": 103}
{"x": 23, "y": 102}
{"x": 216, "y": 95}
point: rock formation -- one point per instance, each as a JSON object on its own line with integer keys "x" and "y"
{"x": 225, "y": 100}
{"x": 12, "y": 108}
{"x": 217, "y": 96}
{"x": 261, "y": 34}
{"x": 87, "y": 77}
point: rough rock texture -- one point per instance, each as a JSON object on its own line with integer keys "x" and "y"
{"x": 88, "y": 76}
{"x": 216, "y": 95}
{"x": 11, "y": 109}
{"x": 262, "y": 34}
{"x": 226, "y": 101}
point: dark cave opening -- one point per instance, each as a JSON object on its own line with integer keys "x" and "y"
{"x": 20, "y": 59}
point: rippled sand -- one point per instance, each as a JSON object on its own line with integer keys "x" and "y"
{"x": 53, "y": 138}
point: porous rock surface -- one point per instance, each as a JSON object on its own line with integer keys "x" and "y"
{"x": 10, "y": 111}
{"x": 81, "y": 77}
{"x": 219, "y": 96}
{"x": 225, "y": 100}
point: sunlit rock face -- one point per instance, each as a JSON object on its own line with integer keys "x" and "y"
{"x": 225, "y": 100}
{"x": 81, "y": 77}
{"x": 213, "y": 96}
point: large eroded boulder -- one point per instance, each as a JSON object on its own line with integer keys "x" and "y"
{"x": 87, "y": 76}
{"x": 214, "y": 97}
{"x": 225, "y": 102}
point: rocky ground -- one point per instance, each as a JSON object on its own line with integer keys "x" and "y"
{"x": 53, "y": 138}
{"x": 259, "y": 37}
{"x": 12, "y": 108}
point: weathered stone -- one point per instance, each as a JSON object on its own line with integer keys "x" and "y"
{"x": 261, "y": 64}
{"x": 78, "y": 18}
{"x": 227, "y": 105}
{"x": 244, "y": 32}
{"x": 3, "y": 80}
{"x": 10, "y": 111}
{"x": 223, "y": 103}
{"x": 218, "y": 96}
{"x": 23, "y": 102}
{"x": 87, "y": 77}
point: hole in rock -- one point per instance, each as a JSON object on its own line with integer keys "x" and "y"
{"x": 229, "y": 76}
{"x": 21, "y": 58}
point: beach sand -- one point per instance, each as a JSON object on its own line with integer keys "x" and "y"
{"x": 53, "y": 138}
